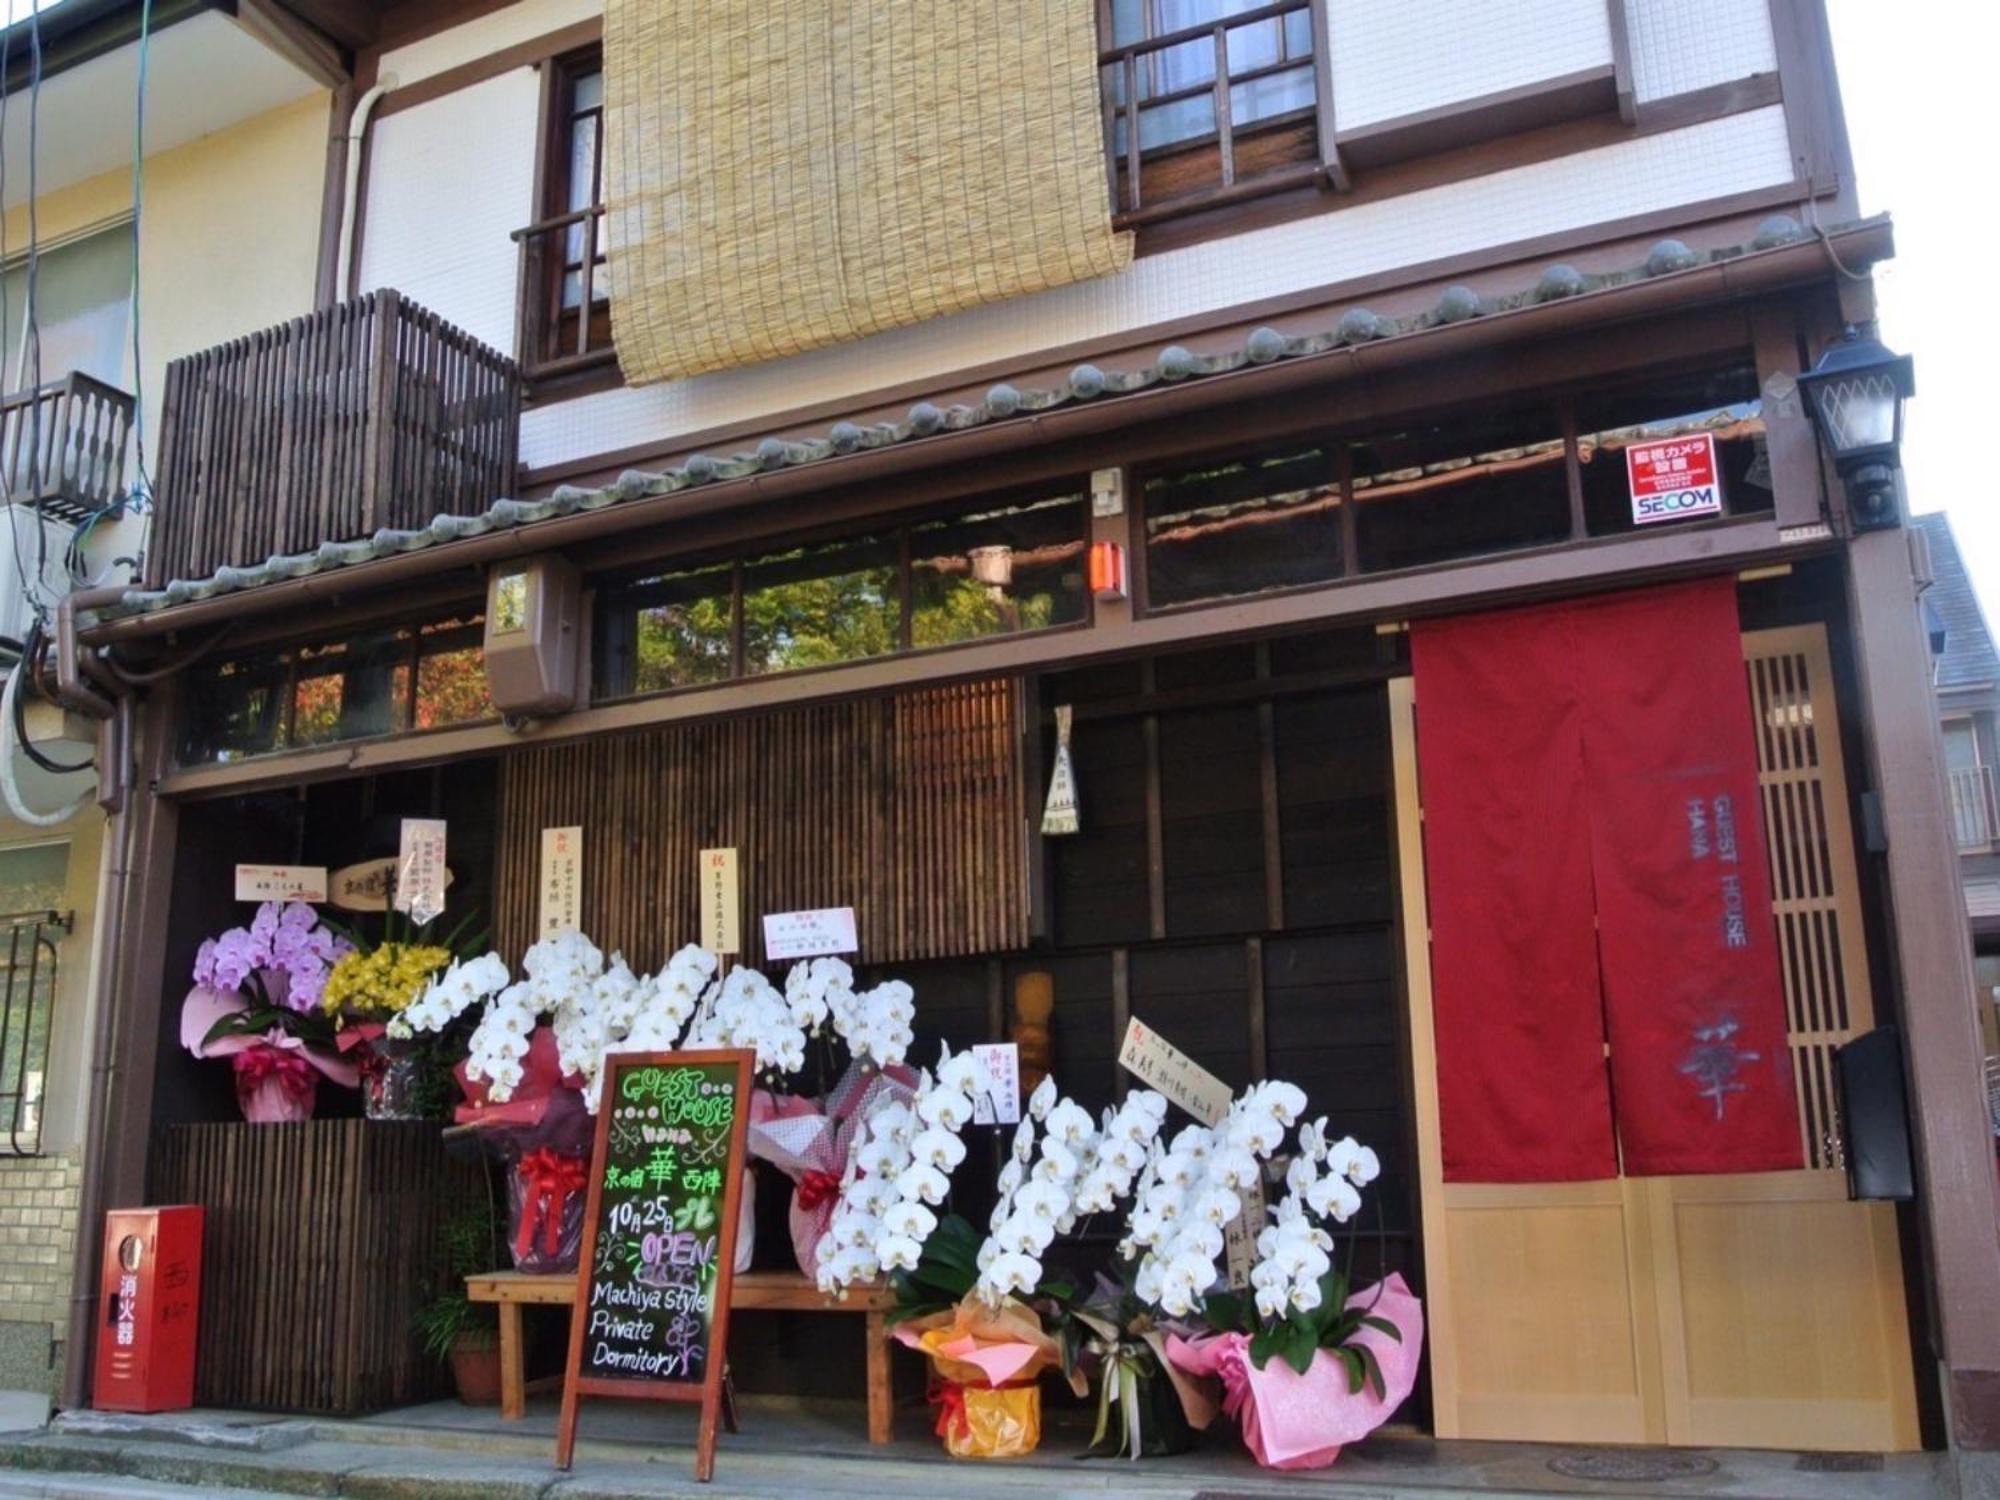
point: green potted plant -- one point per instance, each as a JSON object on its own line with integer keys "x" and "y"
{"x": 456, "y": 1330}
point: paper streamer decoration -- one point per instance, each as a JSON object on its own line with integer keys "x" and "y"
{"x": 1059, "y": 815}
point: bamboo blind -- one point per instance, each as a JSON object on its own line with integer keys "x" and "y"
{"x": 911, "y": 809}
{"x": 371, "y": 414}
{"x": 783, "y": 176}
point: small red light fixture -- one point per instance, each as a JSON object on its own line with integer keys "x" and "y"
{"x": 1107, "y": 570}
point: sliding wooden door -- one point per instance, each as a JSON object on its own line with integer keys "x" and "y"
{"x": 1760, "y": 1310}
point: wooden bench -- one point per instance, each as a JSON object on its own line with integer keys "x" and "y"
{"x": 757, "y": 1291}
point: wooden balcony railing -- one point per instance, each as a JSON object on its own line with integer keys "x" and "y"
{"x": 1972, "y": 807}
{"x": 371, "y": 414}
{"x": 565, "y": 299}
{"x": 62, "y": 445}
{"x": 1158, "y": 164}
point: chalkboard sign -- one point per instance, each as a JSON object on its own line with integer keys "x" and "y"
{"x": 659, "y": 1238}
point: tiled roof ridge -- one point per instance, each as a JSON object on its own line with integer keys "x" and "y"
{"x": 1086, "y": 382}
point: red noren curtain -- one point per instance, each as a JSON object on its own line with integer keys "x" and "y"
{"x": 1597, "y": 873}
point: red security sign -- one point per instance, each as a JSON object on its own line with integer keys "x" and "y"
{"x": 1674, "y": 478}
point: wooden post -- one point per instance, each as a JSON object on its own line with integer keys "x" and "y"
{"x": 1932, "y": 945}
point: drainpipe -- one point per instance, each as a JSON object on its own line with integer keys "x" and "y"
{"x": 357, "y": 134}
{"x": 114, "y": 752}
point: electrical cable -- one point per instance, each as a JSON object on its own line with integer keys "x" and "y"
{"x": 141, "y": 498}
{"x": 134, "y": 677}
{"x": 10, "y": 786}
{"x": 6, "y": 341}
{"x": 31, "y": 650}
{"x": 33, "y": 318}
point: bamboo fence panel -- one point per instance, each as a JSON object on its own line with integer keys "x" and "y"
{"x": 911, "y": 809}
{"x": 368, "y": 415}
{"x": 321, "y": 1244}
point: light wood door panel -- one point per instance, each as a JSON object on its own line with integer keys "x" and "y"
{"x": 1759, "y": 1310}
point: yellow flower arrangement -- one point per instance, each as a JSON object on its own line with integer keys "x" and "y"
{"x": 382, "y": 981}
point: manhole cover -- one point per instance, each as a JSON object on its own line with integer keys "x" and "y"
{"x": 1839, "y": 1463}
{"x": 1634, "y": 1466}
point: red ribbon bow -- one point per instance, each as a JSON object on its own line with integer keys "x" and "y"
{"x": 551, "y": 1177}
{"x": 255, "y": 1064}
{"x": 948, "y": 1396}
{"x": 816, "y": 1187}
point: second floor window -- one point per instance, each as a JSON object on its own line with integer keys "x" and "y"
{"x": 565, "y": 294}
{"x": 1207, "y": 101}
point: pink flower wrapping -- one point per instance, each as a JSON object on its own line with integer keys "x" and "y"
{"x": 807, "y": 1140}
{"x": 1294, "y": 1421}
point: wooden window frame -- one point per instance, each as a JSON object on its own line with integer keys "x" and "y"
{"x": 1560, "y": 399}
{"x": 1125, "y": 169}
{"x": 558, "y": 351}
{"x": 611, "y": 632}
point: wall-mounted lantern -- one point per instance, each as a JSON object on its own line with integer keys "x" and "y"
{"x": 1856, "y": 394}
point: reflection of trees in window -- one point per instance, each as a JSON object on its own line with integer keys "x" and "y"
{"x": 987, "y": 572}
{"x": 997, "y": 571}
{"x": 383, "y": 683}
{"x": 451, "y": 688}
{"x": 681, "y": 632}
{"x": 815, "y": 606}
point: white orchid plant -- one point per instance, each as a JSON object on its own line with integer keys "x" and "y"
{"x": 596, "y": 1006}
{"x": 897, "y": 1173}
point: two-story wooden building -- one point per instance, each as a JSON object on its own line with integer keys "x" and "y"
{"x": 1289, "y": 392}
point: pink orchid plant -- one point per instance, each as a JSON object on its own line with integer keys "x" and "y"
{"x": 256, "y": 1000}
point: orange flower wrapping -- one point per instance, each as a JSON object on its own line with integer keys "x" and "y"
{"x": 985, "y": 1364}
{"x": 988, "y": 1421}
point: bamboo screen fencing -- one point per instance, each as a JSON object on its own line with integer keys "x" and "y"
{"x": 911, "y": 809}
{"x": 322, "y": 1240}
{"x": 371, "y": 414}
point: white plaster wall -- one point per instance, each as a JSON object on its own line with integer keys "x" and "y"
{"x": 493, "y": 32}
{"x": 1681, "y": 45}
{"x": 1398, "y": 57}
{"x": 449, "y": 181}
{"x": 1734, "y": 154}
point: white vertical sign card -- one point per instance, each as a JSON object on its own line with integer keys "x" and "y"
{"x": 420, "y": 871}
{"x": 561, "y": 889}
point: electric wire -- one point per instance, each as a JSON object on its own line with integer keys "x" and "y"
{"x": 31, "y": 650}
{"x": 141, "y": 498}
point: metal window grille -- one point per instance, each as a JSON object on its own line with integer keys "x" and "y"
{"x": 29, "y": 942}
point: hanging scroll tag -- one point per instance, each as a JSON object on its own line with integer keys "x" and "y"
{"x": 1059, "y": 815}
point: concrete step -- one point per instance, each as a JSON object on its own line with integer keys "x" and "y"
{"x": 92, "y": 1486}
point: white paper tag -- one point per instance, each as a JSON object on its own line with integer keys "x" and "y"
{"x": 1159, "y": 1064}
{"x": 721, "y": 931}
{"x": 561, "y": 906}
{"x": 809, "y": 934}
{"x": 420, "y": 869}
{"x": 281, "y": 882}
{"x": 998, "y": 1101}
{"x": 1239, "y": 1236}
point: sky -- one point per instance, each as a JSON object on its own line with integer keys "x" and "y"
{"x": 1917, "y": 82}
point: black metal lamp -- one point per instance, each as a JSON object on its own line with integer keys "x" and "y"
{"x": 1856, "y": 394}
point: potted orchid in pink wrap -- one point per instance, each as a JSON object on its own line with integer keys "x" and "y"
{"x": 1305, "y": 1366}
{"x": 257, "y": 1001}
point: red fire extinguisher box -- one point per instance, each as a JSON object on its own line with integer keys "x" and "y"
{"x": 151, "y": 1300}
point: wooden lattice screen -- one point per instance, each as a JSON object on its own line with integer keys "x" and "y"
{"x": 911, "y": 809}
{"x": 371, "y": 414}
{"x": 1814, "y": 886}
